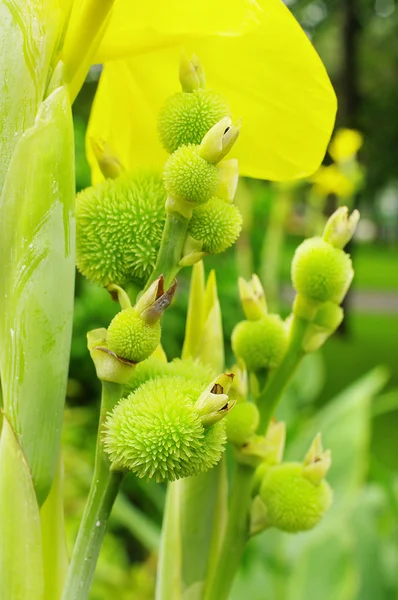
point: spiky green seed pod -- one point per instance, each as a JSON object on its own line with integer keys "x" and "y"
{"x": 186, "y": 117}
{"x": 119, "y": 226}
{"x": 293, "y": 502}
{"x": 261, "y": 344}
{"x": 189, "y": 177}
{"x": 321, "y": 272}
{"x": 217, "y": 224}
{"x": 157, "y": 432}
{"x": 242, "y": 423}
{"x": 153, "y": 368}
{"x": 132, "y": 338}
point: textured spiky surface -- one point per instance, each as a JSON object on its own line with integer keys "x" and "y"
{"x": 293, "y": 502}
{"x": 320, "y": 271}
{"x": 156, "y": 432}
{"x": 217, "y": 224}
{"x": 189, "y": 177}
{"x": 130, "y": 337}
{"x": 242, "y": 423}
{"x": 153, "y": 368}
{"x": 261, "y": 344}
{"x": 119, "y": 226}
{"x": 186, "y": 117}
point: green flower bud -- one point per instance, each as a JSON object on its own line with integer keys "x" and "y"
{"x": 217, "y": 224}
{"x": 252, "y": 297}
{"x": 185, "y": 118}
{"x": 341, "y": 227}
{"x": 157, "y": 432}
{"x": 292, "y": 501}
{"x": 108, "y": 162}
{"x": 119, "y": 226}
{"x": 219, "y": 140}
{"x": 189, "y": 177}
{"x": 321, "y": 272}
{"x": 242, "y": 423}
{"x": 261, "y": 344}
{"x": 191, "y": 75}
{"x": 132, "y": 338}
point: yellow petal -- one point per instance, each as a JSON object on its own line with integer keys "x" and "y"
{"x": 271, "y": 76}
{"x": 123, "y": 117}
{"x": 137, "y": 27}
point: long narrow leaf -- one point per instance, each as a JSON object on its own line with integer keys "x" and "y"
{"x": 55, "y": 559}
{"x": 36, "y": 284}
{"x": 28, "y": 37}
{"x": 21, "y": 573}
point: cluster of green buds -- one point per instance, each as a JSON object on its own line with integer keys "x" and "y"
{"x": 291, "y": 496}
{"x": 120, "y": 222}
{"x": 261, "y": 340}
{"x": 133, "y": 334}
{"x": 170, "y": 427}
{"x": 322, "y": 273}
{"x": 195, "y": 127}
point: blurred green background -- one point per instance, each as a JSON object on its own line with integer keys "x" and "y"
{"x": 355, "y": 554}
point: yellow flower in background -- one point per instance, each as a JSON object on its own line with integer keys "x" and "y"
{"x": 331, "y": 180}
{"x": 255, "y": 54}
{"x": 345, "y": 145}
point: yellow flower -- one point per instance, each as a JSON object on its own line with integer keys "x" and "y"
{"x": 345, "y": 145}
{"x": 331, "y": 180}
{"x": 255, "y": 54}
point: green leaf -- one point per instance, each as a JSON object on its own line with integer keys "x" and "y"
{"x": 37, "y": 236}
{"x": 55, "y": 558}
{"x": 21, "y": 572}
{"x": 168, "y": 579}
{"x": 199, "y": 498}
{"x": 29, "y": 33}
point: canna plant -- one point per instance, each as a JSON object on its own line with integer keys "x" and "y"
{"x": 162, "y": 199}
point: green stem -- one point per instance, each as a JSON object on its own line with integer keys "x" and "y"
{"x": 236, "y": 536}
{"x": 104, "y": 489}
{"x": 268, "y": 400}
{"x": 171, "y": 246}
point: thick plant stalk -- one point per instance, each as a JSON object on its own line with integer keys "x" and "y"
{"x": 37, "y": 242}
{"x": 170, "y": 251}
{"x": 268, "y": 400}
{"x": 104, "y": 489}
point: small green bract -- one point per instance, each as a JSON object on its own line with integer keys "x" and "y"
{"x": 156, "y": 432}
{"x": 217, "y": 224}
{"x": 320, "y": 271}
{"x": 119, "y": 225}
{"x": 293, "y": 502}
{"x": 261, "y": 344}
{"x": 187, "y": 176}
{"x": 130, "y": 337}
{"x": 186, "y": 117}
